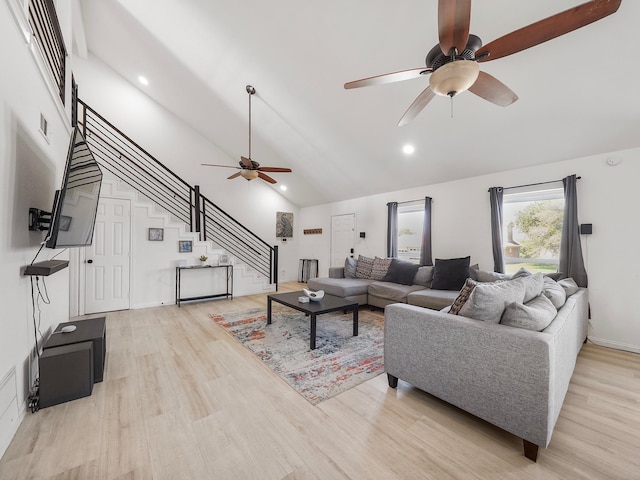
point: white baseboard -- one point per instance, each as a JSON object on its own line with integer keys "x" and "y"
{"x": 603, "y": 342}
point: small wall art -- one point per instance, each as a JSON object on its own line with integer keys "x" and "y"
{"x": 223, "y": 259}
{"x": 284, "y": 225}
{"x": 156, "y": 234}
{"x": 185, "y": 246}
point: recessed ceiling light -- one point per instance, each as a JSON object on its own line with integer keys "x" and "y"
{"x": 283, "y": 188}
{"x": 143, "y": 80}
{"x": 408, "y": 149}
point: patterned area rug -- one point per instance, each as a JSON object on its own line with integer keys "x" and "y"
{"x": 339, "y": 362}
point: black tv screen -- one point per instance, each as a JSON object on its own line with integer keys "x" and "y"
{"x": 76, "y": 203}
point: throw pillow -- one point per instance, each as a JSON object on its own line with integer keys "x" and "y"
{"x": 554, "y": 292}
{"x": 450, "y": 274}
{"x": 532, "y": 286}
{"x": 523, "y": 272}
{"x": 423, "y": 277}
{"x": 488, "y": 300}
{"x": 350, "y": 266}
{"x": 380, "y": 268}
{"x": 555, "y": 275}
{"x": 363, "y": 267}
{"x": 570, "y": 286}
{"x": 486, "y": 276}
{"x": 535, "y": 315}
{"x": 401, "y": 272}
{"x": 463, "y": 296}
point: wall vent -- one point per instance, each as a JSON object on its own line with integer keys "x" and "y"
{"x": 44, "y": 126}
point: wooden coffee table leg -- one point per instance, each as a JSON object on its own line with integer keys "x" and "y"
{"x": 313, "y": 332}
{"x": 355, "y": 321}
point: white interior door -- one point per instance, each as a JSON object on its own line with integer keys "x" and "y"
{"x": 343, "y": 236}
{"x": 107, "y": 260}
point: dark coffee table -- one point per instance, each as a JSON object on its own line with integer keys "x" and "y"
{"x": 329, "y": 303}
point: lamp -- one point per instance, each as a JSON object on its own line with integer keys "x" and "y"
{"x": 454, "y": 77}
{"x": 249, "y": 174}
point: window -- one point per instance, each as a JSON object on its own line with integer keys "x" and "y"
{"x": 410, "y": 226}
{"x": 532, "y": 229}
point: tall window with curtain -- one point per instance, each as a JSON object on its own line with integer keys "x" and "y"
{"x": 409, "y": 231}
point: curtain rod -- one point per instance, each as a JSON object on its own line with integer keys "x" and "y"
{"x": 535, "y": 184}
{"x": 411, "y": 201}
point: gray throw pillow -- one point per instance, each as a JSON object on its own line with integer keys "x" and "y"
{"x": 363, "y": 267}
{"x": 554, "y": 292}
{"x": 488, "y": 300}
{"x": 423, "y": 277}
{"x": 533, "y": 284}
{"x": 350, "y": 267}
{"x": 380, "y": 268}
{"x": 463, "y": 296}
{"x": 523, "y": 272}
{"x": 486, "y": 276}
{"x": 535, "y": 315}
{"x": 570, "y": 286}
{"x": 401, "y": 272}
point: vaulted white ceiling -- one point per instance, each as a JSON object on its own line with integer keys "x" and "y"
{"x": 579, "y": 93}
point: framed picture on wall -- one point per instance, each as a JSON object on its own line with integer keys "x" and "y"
{"x": 284, "y": 225}
{"x": 156, "y": 234}
{"x": 223, "y": 259}
{"x": 185, "y": 246}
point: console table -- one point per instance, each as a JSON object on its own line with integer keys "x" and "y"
{"x": 229, "y": 277}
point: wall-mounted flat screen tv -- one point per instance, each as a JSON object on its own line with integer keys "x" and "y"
{"x": 76, "y": 203}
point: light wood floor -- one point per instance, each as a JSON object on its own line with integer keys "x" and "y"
{"x": 183, "y": 400}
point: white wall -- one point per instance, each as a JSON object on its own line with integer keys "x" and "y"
{"x": 461, "y": 226}
{"x": 172, "y": 142}
{"x": 30, "y": 171}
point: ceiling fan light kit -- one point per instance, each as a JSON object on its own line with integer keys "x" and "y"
{"x": 453, "y": 62}
{"x": 455, "y": 77}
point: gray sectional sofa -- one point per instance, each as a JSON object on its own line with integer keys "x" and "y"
{"x": 514, "y": 378}
{"x": 379, "y": 293}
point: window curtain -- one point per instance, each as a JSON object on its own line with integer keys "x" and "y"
{"x": 392, "y": 229}
{"x": 571, "y": 261}
{"x": 426, "y": 257}
{"x": 495, "y": 197}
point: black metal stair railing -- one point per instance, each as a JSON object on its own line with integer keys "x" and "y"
{"x": 128, "y": 161}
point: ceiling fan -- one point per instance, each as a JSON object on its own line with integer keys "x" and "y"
{"x": 453, "y": 63}
{"x": 250, "y": 169}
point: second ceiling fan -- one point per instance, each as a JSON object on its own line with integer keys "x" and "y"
{"x": 250, "y": 169}
{"x": 453, "y": 62}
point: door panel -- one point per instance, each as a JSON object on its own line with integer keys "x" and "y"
{"x": 107, "y": 260}
{"x": 343, "y": 234}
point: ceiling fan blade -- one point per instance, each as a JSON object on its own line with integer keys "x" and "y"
{"x": 417, "y": 106}
{"x": 246, "y": 162}
{"x": 266, "y": 178}
{"x": 274, "y": 169}
{"x": 235, "y": 175}
{"x": 388, "y": 78}
{"x": 454, "y": 17}
{"x": 213, "y": 165}
{"x": 493, "y": 90}
{"x": 549, "y": 28}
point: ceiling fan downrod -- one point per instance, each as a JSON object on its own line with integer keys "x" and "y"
{"x": 251, "y": 91}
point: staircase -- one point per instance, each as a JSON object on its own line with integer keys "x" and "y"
{"x": 122, "y": 158}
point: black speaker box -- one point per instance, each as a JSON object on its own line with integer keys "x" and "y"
{"x": 66, "y": 373}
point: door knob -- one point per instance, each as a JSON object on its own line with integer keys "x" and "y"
{"x": 89, "y": 261}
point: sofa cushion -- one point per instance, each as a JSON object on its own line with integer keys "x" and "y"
{"x": 533, "y": 284}
{"x": 340, "y": 287}
{"x": 363, "y": 267}
{"x": 392, "y": 291}
{"x": 432, "y": 299}
{"x": 380, "y": 268}
{"x": 570, "y": 286}
{"x": 424, "y": 275}
{"x": 488, "y": 300}
{"x": 554, "y": 292}
{"x": 486, "y": 276}
{"x": 450, "y": 274}
{"x": 463, "y": 296}
{"x": 535, "y": 315}
{"x": 350, "y": 265}
{"x": 401, "y": 272}
{"x": 522, "y": 272}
